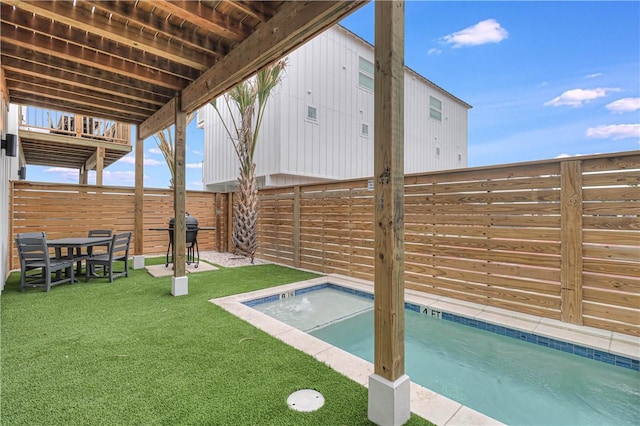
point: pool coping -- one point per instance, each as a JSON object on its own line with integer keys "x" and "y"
{"x": 427, "y": 404}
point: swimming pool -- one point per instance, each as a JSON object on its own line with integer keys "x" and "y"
{"x": 513, "y": 376}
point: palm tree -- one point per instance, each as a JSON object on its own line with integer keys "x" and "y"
{"x": 242, "y": 100}
{"x": 164, "y": 140}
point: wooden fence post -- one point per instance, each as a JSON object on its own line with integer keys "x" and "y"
{"x": 138, "y": 219}
{"x": 571, "y": 241}
{"x": 296, "y": 226}
{"x": 216, "y": 210}
{"x": 230, "y": 223}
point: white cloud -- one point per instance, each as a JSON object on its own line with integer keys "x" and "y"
{"x": 579, "y": 97}
{"x": 60, "y": 170}
{"x": 153, "y": 162}
{"x": 155, "y": 151}
{"x": 614, "y": 131}
{"x": 121, "y": 178}
{"x": 64, "y": 174}
{"x": 434, "y": 51}
{"x": 487, "y": 31}
{"x": 195, "y": 185}
{"x": 594, "y": 75}
{"x": 193, "y": 165}
{"x": 624, "y": 105}
{"x": 131, "y": 159}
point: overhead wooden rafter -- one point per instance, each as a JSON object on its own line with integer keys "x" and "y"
{"x": 125, "y": 60}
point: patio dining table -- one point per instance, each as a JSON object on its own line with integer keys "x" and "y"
{"x": 77, "y": 244}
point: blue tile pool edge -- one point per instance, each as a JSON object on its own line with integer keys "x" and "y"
{"x": 572, "y": 348}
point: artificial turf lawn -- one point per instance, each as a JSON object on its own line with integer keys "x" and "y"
{"x": 130, "y": 353}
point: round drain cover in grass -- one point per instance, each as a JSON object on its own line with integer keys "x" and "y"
{"x": 305, "y": 400}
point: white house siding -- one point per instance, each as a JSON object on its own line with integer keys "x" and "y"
{"x": 324, "y": 74}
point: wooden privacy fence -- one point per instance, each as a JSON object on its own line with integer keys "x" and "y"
{"x": 557, "y": 238}
{"x": 72, "y": 210}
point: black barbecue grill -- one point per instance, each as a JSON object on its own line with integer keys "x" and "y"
{"x": 193, "y": 254}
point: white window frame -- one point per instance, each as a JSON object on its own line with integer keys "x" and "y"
{"x": 364, "y": 126}
{"x": 365, "y": 73}
{"x": 313, "y": 119}
{"x": 435, "y": 109}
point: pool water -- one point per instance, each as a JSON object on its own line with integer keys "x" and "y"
{"x": 515, "y": 382}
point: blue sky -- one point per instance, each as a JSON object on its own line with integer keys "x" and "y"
{"x": 545, "y": 79}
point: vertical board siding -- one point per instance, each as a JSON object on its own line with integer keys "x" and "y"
{"x": 489, "y": 235}
{"x": 324, "y": 74}
{"x": 72, "y": 210}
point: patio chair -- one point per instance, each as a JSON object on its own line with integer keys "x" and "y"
{"x": 34, "y": 255}
{"x": 118, "y": 252}
{"x": 91, "y": 250}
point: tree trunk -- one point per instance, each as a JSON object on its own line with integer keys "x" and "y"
{"x": 245, "y": 209}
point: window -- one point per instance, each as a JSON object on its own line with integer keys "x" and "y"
{"x": 437, "y": 151}
{"x": 365, "y": 73}
{"x": 364, "y": 130}
{"x": 435, "y": 108}
{"x": 459, "y": 158}
{"x": 312, "y": 113}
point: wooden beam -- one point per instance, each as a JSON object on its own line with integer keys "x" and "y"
{"x": 160, "y": 120}
{"x": 63, "y": 92}
{"x": 95, "y": 23}
{"x": 143, "y": 91}
{"x": 571, "y": 241}
{"x": 101, "y": 95}
{"x": 99, "y": 165}
{"x": 84, "y": 175}
{"x": 294, "y": 25}
{"x": 3, "y": 88}
{"x": 204, "y": 16}
{"x": 389, "y": 190}
{"x": 138, "y": 218}
{"x": 132, "y": 75}
{"x": 248, "y": 8}
{"x": 91, "y": 162}
{"x": 128, "y": 11}
{"x": 179, "y": 195}
{"x": 98, "y": 52}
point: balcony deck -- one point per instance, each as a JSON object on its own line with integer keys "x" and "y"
{"x": 58, "y": 142}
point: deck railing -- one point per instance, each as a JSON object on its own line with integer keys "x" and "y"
{"x": 74, "y": 125}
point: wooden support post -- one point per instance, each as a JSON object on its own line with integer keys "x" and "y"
{"x": 179, "y": 196}
{"x": 216, "y": 206}
{"x": 99, "y": 164}
{"x": 84, "y": 175}
{"x": 389, "y": 189}
{"x": 296, "y": 226}
{"x": 389, "y": 386}
{"x": 138, "y": 219}
{"x": 230, "y": 223}
{"x": 571, "y": 241}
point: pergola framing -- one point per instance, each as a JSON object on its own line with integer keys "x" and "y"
{"x": 150, "y": 63}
